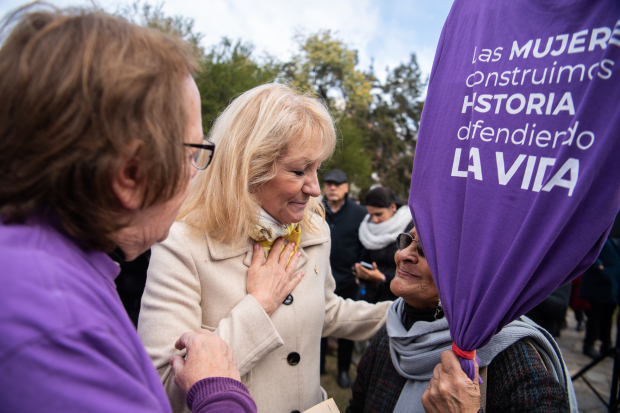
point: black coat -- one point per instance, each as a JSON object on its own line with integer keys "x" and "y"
{"x": 552, "y": 311}
{"x": 603, "y": 286}
{"x": 346, "y": 247}
{"x": 517, "y": 381}
{"x": 384, "y": 258}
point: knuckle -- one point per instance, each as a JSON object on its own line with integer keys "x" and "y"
{"x": 432, "y": 393}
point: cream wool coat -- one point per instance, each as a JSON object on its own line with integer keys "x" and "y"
{"x": 193, "y": 283}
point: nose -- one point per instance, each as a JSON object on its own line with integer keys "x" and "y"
{"x": 374, "y": 219}
{"x": 193, "y": 171}
{"x": 312, "y": 187}
{"x": 408, "y": 254}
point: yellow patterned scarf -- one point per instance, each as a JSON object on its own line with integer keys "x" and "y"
{"x": 268, "y": 230}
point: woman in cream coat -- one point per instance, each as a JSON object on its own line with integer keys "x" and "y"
{"x": 263, "y": 185}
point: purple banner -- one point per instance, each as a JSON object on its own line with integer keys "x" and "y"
{"x": 516, "y": 178}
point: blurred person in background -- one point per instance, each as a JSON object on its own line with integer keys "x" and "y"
{"x": 387, "y": 217}
{"x": 601, "y": 287}
{"x": 578, "y": 305}
{"x": 551, "y": 312}
{"x": 262, "y": 188}
{"x": 614, "y": 234}
{"x": 100, "y": 136}
{"x": 344, "y": 218}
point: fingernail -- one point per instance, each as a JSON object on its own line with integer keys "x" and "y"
{"x": 293, "y": 244}
{"x": 299, "y": 254}
{"x": 303, "y": 273}
{"x": 256, "y": 247}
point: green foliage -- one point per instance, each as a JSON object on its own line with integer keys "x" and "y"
{"x": 395, "y": 120}
{"x": 351, "y": 154}
{"x": 377, "y": 123}
{"x": 227, "y": 70}
{"x": 147, "y": 15}
{"x": 327, "y": 66}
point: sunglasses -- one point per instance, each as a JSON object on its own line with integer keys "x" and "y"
{"x": 404, "y": 240}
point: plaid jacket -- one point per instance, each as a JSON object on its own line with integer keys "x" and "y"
{"x": 517, "y": 381}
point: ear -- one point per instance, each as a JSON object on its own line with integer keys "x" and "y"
{"x": 346, "y": 187}
{"x": 126, "y": 181}
{"x": 393, "y": 207}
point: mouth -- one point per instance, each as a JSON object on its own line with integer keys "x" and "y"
{"x": 300, "y": 205}
{"x": 407, "y": 274}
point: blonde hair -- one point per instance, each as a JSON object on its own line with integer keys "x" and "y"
{"x": 252, "y": 135}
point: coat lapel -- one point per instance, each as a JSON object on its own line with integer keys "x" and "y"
{"x": 223, "y": 251}
{"x": 247, "y": 260}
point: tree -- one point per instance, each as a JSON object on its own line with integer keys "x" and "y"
{"x": 147, "y": 15}
{"x": 227, "y": 70}
{"x": 327, "y": 67}
{"x": 351, "y": 154}
{"x": 376, "y": 123}
{"x": 394, "y": 121}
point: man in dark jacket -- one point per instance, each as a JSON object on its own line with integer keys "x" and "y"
{"x": 344, "y": 218}
{"x": 601, "y": 287}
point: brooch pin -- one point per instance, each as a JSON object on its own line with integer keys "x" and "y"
{"x": 316, "y": 269}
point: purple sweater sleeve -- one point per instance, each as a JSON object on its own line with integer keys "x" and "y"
{"x": 220, "y": 395}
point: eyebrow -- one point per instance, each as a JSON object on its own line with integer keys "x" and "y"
{"x": 304, "y": 160}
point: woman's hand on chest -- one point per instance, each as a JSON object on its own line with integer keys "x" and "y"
{"x": 271, "y": 281}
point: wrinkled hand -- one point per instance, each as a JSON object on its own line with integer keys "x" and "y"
{"x": 369, "y": 275}
{"x": 207, "y": 356}
{"x": 270, "y": 283}
{"x": 450, "y": 390}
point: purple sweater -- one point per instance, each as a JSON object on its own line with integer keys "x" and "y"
{"x": 66, "y": 343}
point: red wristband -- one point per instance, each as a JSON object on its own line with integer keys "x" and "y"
{"x": 469, "y": 355}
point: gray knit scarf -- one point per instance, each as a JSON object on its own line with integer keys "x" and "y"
{"x": 416, "y": 352}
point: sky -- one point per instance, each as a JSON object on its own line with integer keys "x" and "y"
{"x": 386, "y": 31}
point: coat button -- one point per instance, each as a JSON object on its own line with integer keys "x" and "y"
{"x": 293, "y": 358}
{"x": 288, "y": 300}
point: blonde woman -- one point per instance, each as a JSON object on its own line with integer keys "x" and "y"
{"x": 261, "y": 186}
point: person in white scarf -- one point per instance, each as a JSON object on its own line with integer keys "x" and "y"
{"x": 387, "y": 217}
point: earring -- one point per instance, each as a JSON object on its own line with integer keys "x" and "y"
{"x": 439, "y": 312}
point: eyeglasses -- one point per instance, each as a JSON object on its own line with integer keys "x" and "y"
{"x": 203, "y": 157}
{"x": 404, "y": 240}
